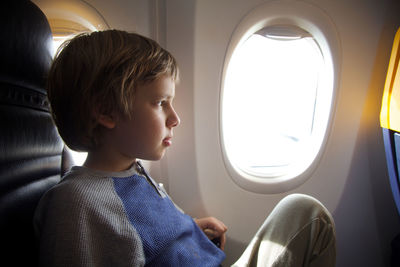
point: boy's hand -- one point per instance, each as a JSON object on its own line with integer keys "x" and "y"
{"x": 213, "y": 228}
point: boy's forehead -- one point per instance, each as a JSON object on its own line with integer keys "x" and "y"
{"x": 162, "y": 86}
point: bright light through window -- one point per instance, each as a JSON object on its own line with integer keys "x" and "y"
{"x": 58, "y": 41}
{"x": 270, "y": 110}
{"x": 79, "y": 157}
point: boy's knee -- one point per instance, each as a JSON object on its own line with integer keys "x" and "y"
{"x": 304, "y": 226}
{"x": 301, "y": 200}
{"x": 304, "y": 206}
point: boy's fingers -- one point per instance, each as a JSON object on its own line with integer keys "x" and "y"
{"x": 214, "y": 229}
{"x": 222, "y": 241}
{"x": 210, "y": 233}
{"x": 215, "y": 224}
{"x": 218, "y": 238}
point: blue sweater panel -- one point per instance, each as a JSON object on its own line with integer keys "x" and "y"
{"x": 169, "y": 237}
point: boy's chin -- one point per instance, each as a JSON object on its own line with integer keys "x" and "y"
{"x": 155, "y": 157}
{"x": 160, "y": 157}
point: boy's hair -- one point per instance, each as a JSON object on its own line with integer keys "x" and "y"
{"x": 98, "y": 73}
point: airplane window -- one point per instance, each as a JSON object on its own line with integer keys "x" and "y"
{"x": 275, "y": 103}
{"x": 63, "y": 30}
{"x": 58, "y": 41}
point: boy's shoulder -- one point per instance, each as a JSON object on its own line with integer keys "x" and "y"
{"x": 85, "y": 180}
{"x": 83, "y": 209}
{"x": 81, "y": 189}
{"x": 81, "y": 196}
{"x": 78, "y": 182}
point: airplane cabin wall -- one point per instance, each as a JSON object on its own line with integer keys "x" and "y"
{"x": 351, "y": 178}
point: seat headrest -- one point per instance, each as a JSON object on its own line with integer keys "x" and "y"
{"x": 26, "y": 48}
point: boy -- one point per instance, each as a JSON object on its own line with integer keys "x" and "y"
{"x": 111, "y": 94}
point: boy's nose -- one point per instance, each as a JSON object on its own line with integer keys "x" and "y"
{"x": 173, "y": 120}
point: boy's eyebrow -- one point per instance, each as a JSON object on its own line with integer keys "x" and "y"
{"x": 168, "y": 96}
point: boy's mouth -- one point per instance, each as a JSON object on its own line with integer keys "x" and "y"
{"x": 167, "y": 141}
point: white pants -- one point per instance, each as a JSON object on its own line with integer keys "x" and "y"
{"x": 300, "y": 231}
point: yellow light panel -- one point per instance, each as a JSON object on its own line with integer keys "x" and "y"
{"x": 390, "y": 110}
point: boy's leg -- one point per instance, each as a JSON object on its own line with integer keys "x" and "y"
{"x": 299, "y": 232}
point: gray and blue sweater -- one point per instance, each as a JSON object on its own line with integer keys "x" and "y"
{"x": 94, "y": 218}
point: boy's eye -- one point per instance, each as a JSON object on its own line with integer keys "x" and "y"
{"x": 160, "y": 103}
{"x": 163, "y": 102}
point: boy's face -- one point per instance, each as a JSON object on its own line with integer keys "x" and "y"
{"x": 148, "y": 132}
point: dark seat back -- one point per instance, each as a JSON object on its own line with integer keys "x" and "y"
{"x": 31, "y": 150}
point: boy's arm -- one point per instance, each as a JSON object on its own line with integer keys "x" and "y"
{"x": 213, "y": 228}
{"x": 88, "y": 228}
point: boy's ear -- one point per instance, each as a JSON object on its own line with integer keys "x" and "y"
{"x": 106, "y": 121}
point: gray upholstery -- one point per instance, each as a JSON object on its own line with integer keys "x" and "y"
{"x": 31, "y": 150}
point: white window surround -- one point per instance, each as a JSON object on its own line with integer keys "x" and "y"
{"x": 68, "y": 18}
{"x": 74, "y": 16}
{"x": 319, "y": 25}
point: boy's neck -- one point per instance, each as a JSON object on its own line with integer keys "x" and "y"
{"x": 98, "y": 161}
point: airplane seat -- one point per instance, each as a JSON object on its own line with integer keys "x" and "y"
{"x": 390, "y": 123}
{"x": 32, "y": 155}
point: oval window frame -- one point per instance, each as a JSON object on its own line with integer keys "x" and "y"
{"x": 72, "y": 16}
{"x": 312, "y": 20}
{"x": 68, "y": 18}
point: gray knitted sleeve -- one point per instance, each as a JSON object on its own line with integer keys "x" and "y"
{"x": 82, "y": 222}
